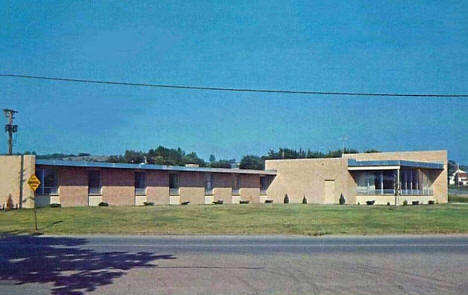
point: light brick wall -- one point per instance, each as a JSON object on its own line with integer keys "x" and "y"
{"x": 250, "y": 188}
{"x": 73, "y": 186}
{"x": 10, "y": 180}
{"x": 192, "y": 187}
{"x": 222, "y": 187}
{"x": 157, "y": 187}
{"x": 306, "y": 177}
{"x": 118, "y": 186}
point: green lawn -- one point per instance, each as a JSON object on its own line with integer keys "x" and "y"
{"x": 242, "y": 219}
{"x": 458, "y": 198}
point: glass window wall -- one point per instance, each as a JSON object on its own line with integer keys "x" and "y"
{"x": 383, "y": 182}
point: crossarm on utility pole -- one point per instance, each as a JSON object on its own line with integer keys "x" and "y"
{"x": 10, "y": 128}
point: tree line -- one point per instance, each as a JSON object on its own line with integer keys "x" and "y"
{"x": 168, "y": 156}
{"x": 178, "y": 157}
{"x": 256, "y": 162}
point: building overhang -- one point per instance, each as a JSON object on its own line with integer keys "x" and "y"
{"x": 86, "y": 164}
{"x": 363, "y": 168}
{"x": 391, "y": 165}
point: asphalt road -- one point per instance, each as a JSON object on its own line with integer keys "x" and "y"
{"x": 234, "y": 265}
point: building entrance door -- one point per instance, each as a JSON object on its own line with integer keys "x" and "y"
{"x": 329, "y": 191}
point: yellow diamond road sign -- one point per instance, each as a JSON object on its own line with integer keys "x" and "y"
{"x": 34, "y": 182}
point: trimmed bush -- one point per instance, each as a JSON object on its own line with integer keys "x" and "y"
{"x": 304, "y": 200}
{"x": 431, "y": 202}
{"x": 405, "y": 203}
{"x": 218, "y": 202}
{"x": 415, "y": 203}
{"x": 370, "y": 203}
{"x": 342, "y": 200}
{"x": 388, "y": 203}
{"x": 286, "y": 199}
{"x": 103, "y": 204}
{"x": 148, "y": 203}
{"x": 55, "y": 205}
{"x": 244, "y": 201}
{"x": 268, "y": 201}
{"x": 455, "y": 198}
{"x": 185, "y": 203}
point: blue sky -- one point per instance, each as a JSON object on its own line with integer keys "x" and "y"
{"x": 360, "y": 46}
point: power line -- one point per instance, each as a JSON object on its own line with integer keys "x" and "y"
{"x": 230, "y": 89}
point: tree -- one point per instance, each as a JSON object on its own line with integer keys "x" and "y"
{"x": 212, "y": 158}
{"x": 220, "y": 164}
{"x": 342, "y": 200}
{"x": 372, "y": 151}
{"x": 116, "y": 159}
{"x": 134, "y": 157}
{"x": 452, "y": 167}
{"x": 286, "y": 153}
{"x": 166, "y": 156}
{"x": 252, "y": 162}
{"x": 192, "y": 158}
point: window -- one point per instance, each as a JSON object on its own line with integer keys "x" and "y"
{"x": 209, "y": 179}
{"x": 412, "y": 182}
{"x": 94, "y": 182}
{"x": 376, "y": 182}
{"x": 173, "y": 184}
{"x": 235, "y": 184}
{"x": 49, "y": 181}
{"x": 140, "y": 185}
{"x": 265, "y": 182}
{"x": 415, "y": 182}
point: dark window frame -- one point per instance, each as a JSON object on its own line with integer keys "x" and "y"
{"x": 140, "y": 183}
{"x": 95, "y": 190}
{"x": 48, "y": 190}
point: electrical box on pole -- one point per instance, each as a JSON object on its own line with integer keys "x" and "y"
{"x": 10, "y": 128}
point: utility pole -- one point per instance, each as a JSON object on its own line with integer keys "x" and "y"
{"x": 10, "y": 128}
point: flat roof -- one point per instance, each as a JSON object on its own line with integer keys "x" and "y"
{"x": 86, "y": 164}
{"x": 400, "y": 163}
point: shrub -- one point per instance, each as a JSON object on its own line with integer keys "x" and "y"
{"x": 415, "y": 202}
{"x": 244, "y": 201}
{"x": 431, "y": 202}
{"x": 55, "y": 205}
{"x": 185, "y": 203}
{"x": 218, "y": 202}
{"x": 304, "y": 200}
{"x": 268, "y": 201}
{"x": 388, "y": 203}
{"x": 103, "y": 204}
{"x": 342, "y": 200}
{"x": 148, "y": 203}
{"x": 405, "y": 203}
{"x": 370, "y": 203}
{"x": 455, "y": 198}
{"x": 286, "y": 199}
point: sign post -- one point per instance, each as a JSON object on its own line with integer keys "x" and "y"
{"x": 34, "y": 183}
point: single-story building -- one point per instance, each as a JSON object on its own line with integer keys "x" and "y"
{"x": 390, "y": 177}
{"x": 381, "y": 177}
{"x": 459, "y": 177}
